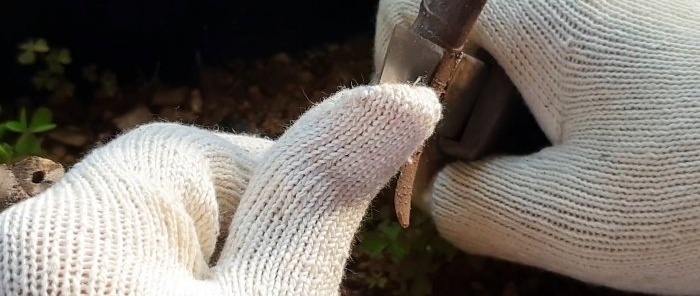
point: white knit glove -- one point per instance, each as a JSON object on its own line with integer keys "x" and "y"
{"x": 615, "y": 85}
{"x": 139, "y": 216}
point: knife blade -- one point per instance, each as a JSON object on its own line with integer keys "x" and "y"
{"x": 429, "y": 50}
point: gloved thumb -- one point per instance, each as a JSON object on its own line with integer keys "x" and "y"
{"x": 573, "y": 209}
{"x": 508, "y": 207}
{"x": 296, "y": 221}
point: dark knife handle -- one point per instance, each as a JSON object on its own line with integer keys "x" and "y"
{"x": 447, "y": 22}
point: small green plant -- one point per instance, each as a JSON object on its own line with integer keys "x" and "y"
{"x": 106, "y": 80}
{"x": 401, "y": 261}
{"x": 53, "y": 77}
{"x": 26, "y": 142}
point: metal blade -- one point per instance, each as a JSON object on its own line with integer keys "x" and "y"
{"x": 410, "y": 57}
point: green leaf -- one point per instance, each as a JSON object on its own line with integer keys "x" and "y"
{"x": 40, "y": 46}
{"x": 43, "y": 128}
{"x": 16, "y": 126}
{"x": 42, "y": 116}
{"x": 391, "y": 230}
{"x": 398, "y": 250}
{"x": 26, "y": 58}
{"x": 373, "y": 244}
{"x": 6, "y": 153}
{"x": 64, "y": 56}
{"x": 41, "y": 120}
{"x": 27, "y": 145}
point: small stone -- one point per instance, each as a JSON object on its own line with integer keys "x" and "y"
{"x": 59, "y": 150}
{"x": 175, "y": 115}
{"x": 36, "y": 174}
{"x": 10, "y": 190}
{"x": 196, "y": 101}
{"x": 71, "y": 136}
{"x": 137, "y": 116}
{"x": 170, "y": 97}
{"x": 282, "y": 58}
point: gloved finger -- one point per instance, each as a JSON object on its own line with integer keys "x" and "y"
{"x": 203, "y": 171}
{"x": 137, "y": 216}
{"x": 612, "y": 84}
{"x": 254, "y": 147}
{"x": 297, "y": 219}
{"x": 579, "y": 211}
{"x": 253, "y": 144}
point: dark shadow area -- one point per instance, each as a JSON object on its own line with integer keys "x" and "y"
{"x": 137, "y": 37}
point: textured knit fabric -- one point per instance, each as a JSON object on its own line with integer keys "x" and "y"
{"x": 139, "y": 216}
{"x": 616, "y": 87}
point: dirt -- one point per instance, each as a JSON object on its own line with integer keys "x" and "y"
{"x": 263, "y": 97}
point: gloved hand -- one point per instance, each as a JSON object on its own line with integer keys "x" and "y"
{"x": 139, "y": 216}
{"x": 615, "y": 85}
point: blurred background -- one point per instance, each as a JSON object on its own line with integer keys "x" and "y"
{"x": 128, "y": 35}
{"x": 78, "y": 73}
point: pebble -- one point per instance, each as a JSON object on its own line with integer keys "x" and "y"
{"x": 59, "y": 150}
{"x": 170, "y": 97}
{"x": 196, "y": 101}
{"x": 282, "y": 58}
{"x": 71, "y": 136}
{"x": 137, "y": 116}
